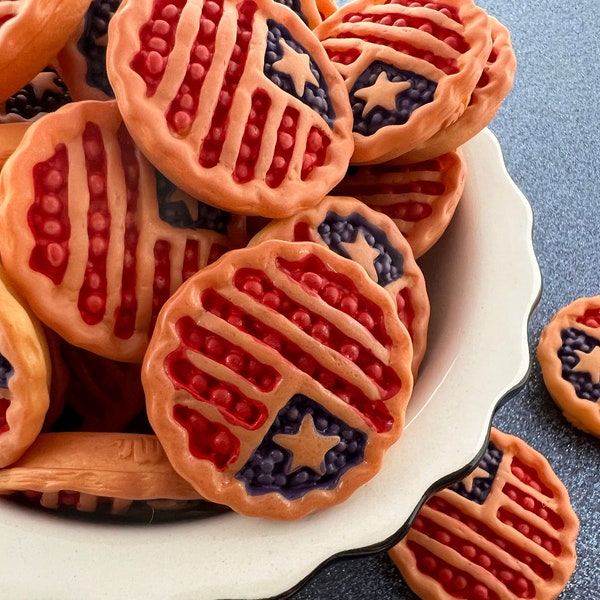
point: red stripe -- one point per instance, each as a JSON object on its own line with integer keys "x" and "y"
{"x": 92, "y": 295}
{"x": 161, "y": 286}
{"x": 447, "y": 65}
{"x": 450, "y": 11}
{"x": 184, "y": 106}
{"x": 252, "y": 138}
{"x": 127, "y": 310}
{"x": 190, "y": 259}
{"x": 48, "y": 216}
{"x": 284, "y": 147}
{"x": 212, "y": 146}
{"x": 157, "y": 39}
{"x": 206, "y": 439}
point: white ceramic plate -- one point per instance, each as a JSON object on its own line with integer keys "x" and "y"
{"x": 483, "y": 281}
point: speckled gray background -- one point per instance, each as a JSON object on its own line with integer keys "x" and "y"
{"x": 549, "y": 130}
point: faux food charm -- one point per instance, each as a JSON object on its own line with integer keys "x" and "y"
{"x": 277, "y": 378}
{"x": 409, "y": 68}
{"x": 506, "y": 531}
{"x": 569, "y": 356}
{"x": 235, "y": 102}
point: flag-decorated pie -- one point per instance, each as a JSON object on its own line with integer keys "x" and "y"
{"x": 419, "y": 197}
{"x": 506, "y": 531}
{"x": 569, "y": 356}
{"x": 25, "y": 375}
{"x": 235, "y": 102}
{"x": 31, "y": 33}
{"x": 277, "y": 378}
{"x": 95, "y": 472}
{"x": 494, "y": 84}
{"x": 353, "y": 230}
{"x": 93, "y": 236}
{"x": 409, "y": 67}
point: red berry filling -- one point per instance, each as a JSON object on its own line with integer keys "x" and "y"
{"x": 530, "y": 531}
{"x": 207, "y": 440}
{"x": 257, "y": 285}
{"x": 406, "y": 311}
{"x": 48, "y": 216}
{"x": 516, "y": 583}
{"x": 339, "y": 291}
{"x": 4, "y": 404}
{"x": 184, "y": 106}
{"x": 533, "y": 505}
{"x": 449, "y": 11}
{"x": 538, "y": 566}
{"x": 191, "y": 256}
{"x": 252, "y": 138}
{"x": 346, "y": 57}
{"x": 161, "y": 285}
{"x": 590, "y": 318}
{"x": 211, "y": 148}
{"x": 127, "y": 311}
{"x": 157, "y": 39}
{"x": 455, "y": 582}
{"x": 374, "y": 412}
{"x": 395, "y": 19}
{"x": 315, "y": 153}
{"x": 449, "y": 66}
{"x": 93, "y": 292}
{"x": 284, "y": 148}
{"x": 529, "y": 476}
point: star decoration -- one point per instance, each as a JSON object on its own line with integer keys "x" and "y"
{"x": 361, "y": 252}
{"x": 190, "y": 203}
{"x": 469, "y": 480}
{"x": 382, "y": 93}
{"x": 589, "y": 362}
{"x": 297, "y": 66}
{"x": 307, "y": 445}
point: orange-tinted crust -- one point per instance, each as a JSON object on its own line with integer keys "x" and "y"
{"x": 173, "y": 375}
{"x": 520, "y": 543}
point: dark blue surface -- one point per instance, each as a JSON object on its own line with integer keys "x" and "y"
{"x": 549, "y": 130}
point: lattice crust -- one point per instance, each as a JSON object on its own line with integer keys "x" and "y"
{"x": 506, "y": 531}
{"x": 277, "y": 378}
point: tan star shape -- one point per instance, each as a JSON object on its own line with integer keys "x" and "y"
{"x": 382, "y": 93}
{"x": 361, "y": 252}
{"x": 297, "y": 66}
{"x": 191, "y": 203}
{"x": 308, "y": 446}
{"x": 469, "y": 480}
{"x": 589, "y": 362}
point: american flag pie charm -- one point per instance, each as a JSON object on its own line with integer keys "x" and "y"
{"x": 409, "y": 67}
{"x": 569, "y": 356}
{"x": 506, "y": 531}
{"x": 354, "y": 231}
{"x": 277, "y": 378}
{"x": 236, "y": 102}
{"x": 94, "y": 238}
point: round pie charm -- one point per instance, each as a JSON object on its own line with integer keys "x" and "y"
{"x": 277, "y": 378}
{"x": 505, "y": 532}
{"x": 236, "y": 102}
{"x": 92, "y": 236}
{"x": 569, "y": 356}
{"x": 409, "y": 68}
